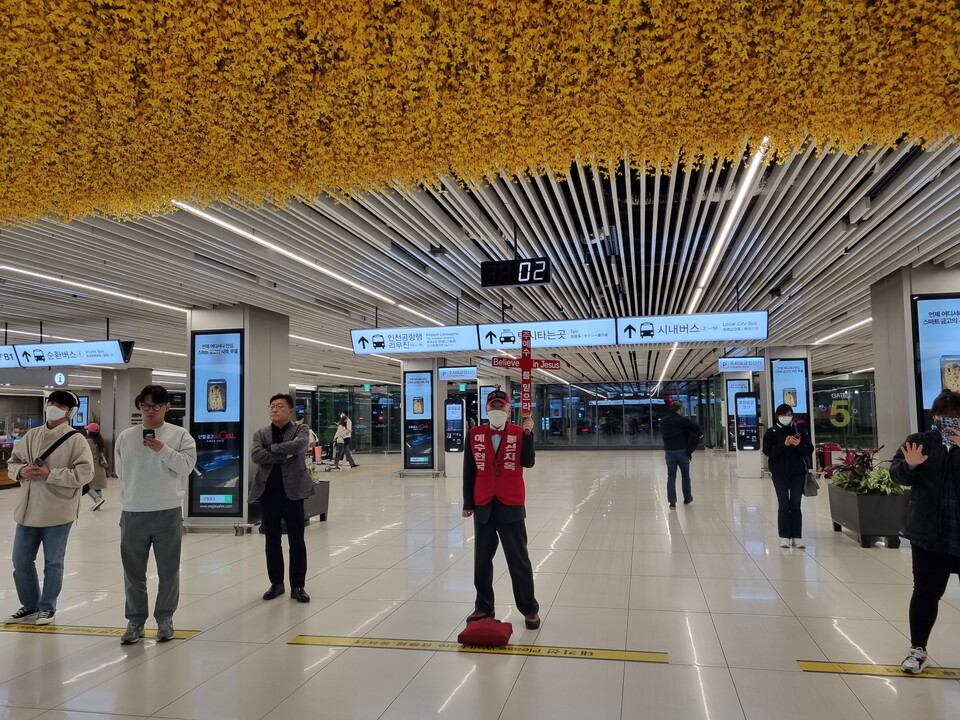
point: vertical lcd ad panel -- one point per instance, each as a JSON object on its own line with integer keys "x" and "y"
{"x": 216, "y": 371}
{"x": 734, "y": 387}
{"x": 453, "y": 425}
{"x": 485, "y": 391}
{"x": 418, "y": 420}
{"x": 748, "y": 421}
{"x": 936, "y": 337}
{"x": 789, "y": 382}
{"x": 82, "y": 418}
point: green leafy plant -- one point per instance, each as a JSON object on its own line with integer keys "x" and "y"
{"x": 316, "y": 475}
{"x": 858, "y": 472}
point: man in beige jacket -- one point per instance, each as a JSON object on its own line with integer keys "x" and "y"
{"x": 52, "y": 464}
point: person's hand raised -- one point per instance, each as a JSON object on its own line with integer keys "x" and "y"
{"x": 913, "y": 454}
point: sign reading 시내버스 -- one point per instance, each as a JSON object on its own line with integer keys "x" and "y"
{"x": 709, "y": 327}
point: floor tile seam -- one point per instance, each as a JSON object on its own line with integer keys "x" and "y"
{"x": 57, "y": 659}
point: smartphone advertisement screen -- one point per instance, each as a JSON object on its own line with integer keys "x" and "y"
{"x": 936, "y": 337}
{"x": 748, "y": 421}
{"x": 216, "y": 484}
{"x": 418, "y": 420}
{"x": 83, "y": 412}
{"x": 734, "y": 387}
{"x": 453, "y": 430}
{"x": 789, "y": 383}
{"x": 485, "y": 391}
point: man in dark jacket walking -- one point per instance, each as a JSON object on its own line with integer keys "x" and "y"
{"x": 678, "y": 432}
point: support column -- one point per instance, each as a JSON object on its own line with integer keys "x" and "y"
{"x": 118, "y": 390}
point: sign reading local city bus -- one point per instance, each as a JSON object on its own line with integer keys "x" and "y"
{"x": 710, "y": 327}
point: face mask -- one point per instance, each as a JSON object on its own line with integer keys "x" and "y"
{"x": 498, "y": 418}
{"x": 54, "y": 413}
{"x": 784, "y": 419}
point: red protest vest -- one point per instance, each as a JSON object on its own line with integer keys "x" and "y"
{"x": 499, "y": 475}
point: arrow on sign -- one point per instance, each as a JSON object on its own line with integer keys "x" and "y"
{"x": 25, "y": 355}
{"x": 629, "y": 330}
{"x": 491, "y": 336}
{"x": 363, "y": 341}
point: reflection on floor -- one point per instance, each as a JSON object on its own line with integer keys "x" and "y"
{"x": 616, "y": 569}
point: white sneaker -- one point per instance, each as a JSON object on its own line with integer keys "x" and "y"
{"x": 798, "y": 543}
{"x": 915, "y": 661}
{"x": 784, "y": 542}
{"x": 22, "y": 615}
{"x": 45, "y": 617}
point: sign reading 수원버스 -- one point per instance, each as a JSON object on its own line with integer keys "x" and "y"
{"x": 739, "y": 364}
{"x": 550, "y": 334}
{"x": 715, "y": 327}
{"x": 449, "y": 338}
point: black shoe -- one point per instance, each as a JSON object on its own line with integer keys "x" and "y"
{"x": 532, "y": 621}
{"x": 276, "y": 590}
{"x": 300, "y": 595}
{"x": 673, "y": 506}
{"x": 687, "y": 502}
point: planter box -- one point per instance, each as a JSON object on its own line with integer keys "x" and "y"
{"x": 868, "y": 516}
{"x": 317, "y": 504}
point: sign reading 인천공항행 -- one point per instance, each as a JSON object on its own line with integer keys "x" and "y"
{"x": 710, "y": 327}
{"x": 449, "y": 338}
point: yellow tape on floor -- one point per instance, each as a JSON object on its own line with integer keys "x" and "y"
{"x": 82, "y": 630}
{"x": 446, "y": 646}
{"x": 882, "y": 670}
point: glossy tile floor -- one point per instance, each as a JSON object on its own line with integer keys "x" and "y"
{"x": 615, "y": 568}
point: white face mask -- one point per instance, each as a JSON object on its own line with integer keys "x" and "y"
{"x": 784, "y": 419}
{"x": 498, "y": 418}
{"x": 54, "y": 413}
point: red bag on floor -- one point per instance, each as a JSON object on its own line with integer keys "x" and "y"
{"x": 487, "y": 631}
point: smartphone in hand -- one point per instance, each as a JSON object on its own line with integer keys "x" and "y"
{"x": 149, "y": 434}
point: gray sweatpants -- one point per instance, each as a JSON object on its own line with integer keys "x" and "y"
{"x": 138, "y": 531}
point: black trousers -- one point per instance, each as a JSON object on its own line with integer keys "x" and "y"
{"x": 513, "y": 536}
{"x": 931, "y": 572}
{"x": 274, "y": 507}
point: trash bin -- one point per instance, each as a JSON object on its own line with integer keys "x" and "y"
{"x": 828, "y": 455}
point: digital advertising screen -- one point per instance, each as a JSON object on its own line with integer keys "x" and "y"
{"x": 418, "y": 420}
{"x": 453, "y": 412}
{"x": 485, "y": 390}
{"x": 748, "y": 421}
{"x": 789, "y": 383}
{"x": 936, "y": 336}
{"x": 734, "y": 387}
{"x": 216, "y": 374}
{"x": 83, "y": 413}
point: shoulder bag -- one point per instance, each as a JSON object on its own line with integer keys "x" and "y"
{"x": 810, "y": 485}
{"x": 60, "y": 441}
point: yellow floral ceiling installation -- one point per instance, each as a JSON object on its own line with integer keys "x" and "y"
{"x": 118, "y": 107}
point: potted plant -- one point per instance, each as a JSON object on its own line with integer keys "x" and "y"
{"x": 865, "y": 499}
{"x": 317, "y": 503}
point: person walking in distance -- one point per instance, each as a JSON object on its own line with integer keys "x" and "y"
{"x": 281, "y": 485}
{"x": 153, "y": 461}
{"x": 341, "y": 441}
{"x": 494, "y": 495}
{"x": 929, "y": 463}
{"x": 676, "y": 430}
{"x": 52, "y": 463}
{"x": 98, "y": 448}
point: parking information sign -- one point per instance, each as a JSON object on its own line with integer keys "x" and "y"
{"x": 713, "y": 327}
{"x": 391, "y": 341}
{"x": 551, "y": 334}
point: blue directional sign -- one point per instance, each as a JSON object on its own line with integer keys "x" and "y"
{"x": 8, "y": 357}
{"x": 97, "y": 352}
{"x": 711, "y": 327}
{"x": 391, "y": 341}
{"x": 550, "y": 334}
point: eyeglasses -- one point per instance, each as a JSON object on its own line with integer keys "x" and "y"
{"x": 279, "y": 406}
{"x": 152, "y": 408}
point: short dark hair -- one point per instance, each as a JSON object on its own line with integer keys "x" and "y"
{"x": 947, "y": 403}
{"x": 783, "y": 409}
{"x": 283, "y": 396}
{"x": 675, "y": 407}
{"x": 158, "y": 393}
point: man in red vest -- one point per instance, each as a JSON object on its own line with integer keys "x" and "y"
{"x": 493, "y": 493}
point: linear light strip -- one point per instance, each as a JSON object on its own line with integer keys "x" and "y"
{"x": 419, "y": 314}
{"x": 348, "y": 377}
{"x": 280, "y": 250}
{"x": 843, "y": 331}
{"x": 91, "y": 288}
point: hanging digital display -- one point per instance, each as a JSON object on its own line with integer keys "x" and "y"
{"x": 216, "y": 374}
{"x": 936, "y": 337}
{"x": 418, "y": 420}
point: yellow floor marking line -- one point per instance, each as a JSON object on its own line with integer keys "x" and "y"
{"x": 83, "y": 630}
{"x": 446, "y": 646}
{"x": 881, "y": 670}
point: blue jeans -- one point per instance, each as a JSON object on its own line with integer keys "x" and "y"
{"x": 675, "y": 459}
{"x": 789, "y": 491}
{"x": 26, "y": 543}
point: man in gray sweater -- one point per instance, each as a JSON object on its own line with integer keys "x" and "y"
{"x": 153, "y": 461}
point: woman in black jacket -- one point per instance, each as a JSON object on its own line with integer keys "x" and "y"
{"x": 929, "y": 462}
{"x": 789, "y": 451}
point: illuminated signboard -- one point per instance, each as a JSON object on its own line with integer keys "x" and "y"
{"x": 97, "y": 352}
{"x": 550, "y": 334}
{"x": 216, "y": 423}
{"x": 739, "y": 364}
{"x": 418, "y": 420}
{"x": 936, "y": 336}
{"x": 391, "y": 341}
{"x": 711, "y": 327}
{"x": 457, "y": 374}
